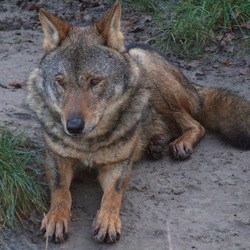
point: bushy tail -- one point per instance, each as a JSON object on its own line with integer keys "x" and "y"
{"x": 227, "y": 114}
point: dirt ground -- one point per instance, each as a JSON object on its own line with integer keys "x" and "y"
{"x": 201, "y": 203}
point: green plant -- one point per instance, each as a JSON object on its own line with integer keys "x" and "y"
{"x": 196, "y": 23}
{"x": 148, "y": 6}
{"x": 188, "y": 26}
{"x": 20, "y": 192}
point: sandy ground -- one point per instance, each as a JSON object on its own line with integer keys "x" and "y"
{"x": 202, "y": 203}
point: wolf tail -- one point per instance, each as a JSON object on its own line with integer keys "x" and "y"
{"x": 227, "y": 114}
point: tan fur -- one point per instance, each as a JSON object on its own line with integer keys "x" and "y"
{"x": 109, "y": 28}
{"x": 54, "y": 30}
{"x": 57, "y": 221}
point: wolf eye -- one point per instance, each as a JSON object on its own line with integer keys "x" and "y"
{"x": 60, "y": 81}
{"x": 95, "y": 81}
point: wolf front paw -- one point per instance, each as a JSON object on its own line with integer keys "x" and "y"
{"x": 180, "y": 149}
{"x": 157, "y": 146}
{"x": 106, "y": 227}
{"x": 55, "y": 225}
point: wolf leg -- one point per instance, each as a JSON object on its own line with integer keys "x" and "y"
{"x": 193, "y": 132}
{"x": 157, "y": 146}
{"x": 107, "y": 223}
{"x": 59, "y": 173}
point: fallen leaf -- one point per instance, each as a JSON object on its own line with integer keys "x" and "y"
{"x": 226, "y": 46}
{"x": 32, "y": 7}
{"x": 147, "y": 19}
{"x": 85, "y": 5}
{"x": 246, "y": 25}
{"x": 136, "y": 29}
{"x": 211, "y": 49}
{"x": 245, "y": 71}
{"x": 227, "y": 63}
{"x": 219, "y": 37}
{"x": 229, "y": 37}
{"x": 15, "y": 84}
{"x": 128, "y": 24}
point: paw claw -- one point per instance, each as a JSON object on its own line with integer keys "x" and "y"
{"x": 58, "y": 240}
{"x": 41, "y": 232}
{"x": 55, "y": 224}
{"x": 50, "y": 238}
{"x": 118, "y": 236}
{"x": 188, "y": 151}
{"x": 180, "y": 150}
{"x": 99, "y": 238}
{"x": 66, "y": 236}
{"x": 110, "y": 239}
{"x": 95, "y": 231}
{"x": 106, "y": 228}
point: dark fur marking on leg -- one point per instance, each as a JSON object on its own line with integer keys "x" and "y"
{"x": 124, "y": 174}
{"x": 54, "y": 170}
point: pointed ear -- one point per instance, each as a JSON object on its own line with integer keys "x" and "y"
{"x": 54, "y": 29}
{"x": 109, "y": 27}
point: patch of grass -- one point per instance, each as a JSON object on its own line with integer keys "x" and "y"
{"x": 196, "y": 23}
{"x": 188, "y": 26}
{"x": 147, "y": 6}
{"x": 20, "y": 192}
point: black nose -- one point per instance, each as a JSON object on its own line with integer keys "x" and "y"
{"x": 75, "y": 126}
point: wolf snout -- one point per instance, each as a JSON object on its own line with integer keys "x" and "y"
{"x": 75, "y": 126}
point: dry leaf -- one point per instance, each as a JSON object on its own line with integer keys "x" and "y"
{"x": 245, "y": 71}
{"x": 227, "y": 63}
{"x": 16, "y": 84}
{"x": 86, "y": 4}
{"x": 128, "y": 24}
{"x": 246, "y": 25}
{"x": 229, "y": 37}
{"x": 32, "y": 7}
{"x": 136, "y": 29}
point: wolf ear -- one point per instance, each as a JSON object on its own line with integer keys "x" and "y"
{"x": 54, "y": 29}
{"x": 109, "y": 27}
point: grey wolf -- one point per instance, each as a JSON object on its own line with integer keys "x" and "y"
{"x": 102, "y": 103}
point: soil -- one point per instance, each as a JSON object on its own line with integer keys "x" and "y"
{"x": 201, "y": 203}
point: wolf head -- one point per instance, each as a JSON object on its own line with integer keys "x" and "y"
{"x": 83, "y": 74}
